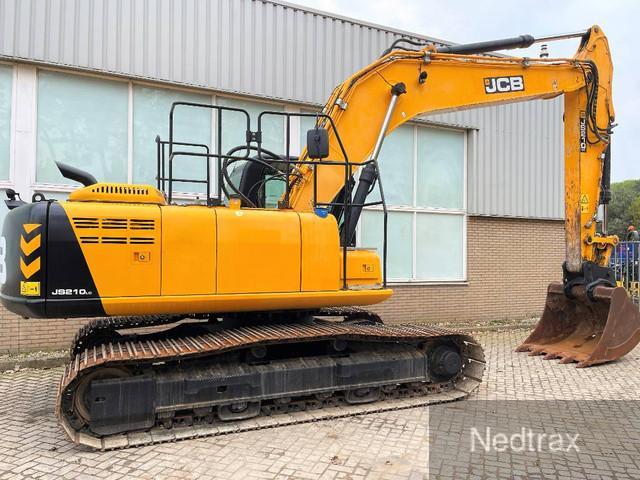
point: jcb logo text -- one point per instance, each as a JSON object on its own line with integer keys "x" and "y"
{"x": 503, "y": 84}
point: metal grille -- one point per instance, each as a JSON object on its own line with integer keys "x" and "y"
{"x": 625, "y": 262}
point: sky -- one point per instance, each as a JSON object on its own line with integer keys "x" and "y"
{"x": 464, "y": 21}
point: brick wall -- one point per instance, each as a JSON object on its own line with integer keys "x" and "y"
{"x": 18, "y": 334}
{"x": 509, "y": 262}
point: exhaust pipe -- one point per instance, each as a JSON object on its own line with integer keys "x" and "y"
{"x": 76, "y": 174}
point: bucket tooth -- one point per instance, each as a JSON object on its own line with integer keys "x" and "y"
{"x": 567, "y": 359}
{"x": 585, "y": 329}
{"x": 522, "y": 348}
{"x": 536, "y": 351}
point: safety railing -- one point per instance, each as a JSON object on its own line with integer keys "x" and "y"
{"x": 625, "y": 261}
{"x": 163, "y": 181}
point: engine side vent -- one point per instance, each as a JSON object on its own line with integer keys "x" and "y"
{"x": 114, "y": 223}
{"x": 141, "y": 224}
{"x": 117, "y": 240}
{"x": 141, "y": 240}
{"x": 85, "y": 222}
{"x": 105, "y": 226}
{"x": 89, "y": 239}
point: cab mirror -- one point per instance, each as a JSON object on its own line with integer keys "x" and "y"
{"x": 317, "y": 143}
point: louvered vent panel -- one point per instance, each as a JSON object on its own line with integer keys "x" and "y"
{"x": 116, "y": 240}
{"x": 141, "y": 224}
{"x": 89, "y": 239}
{"x": 85, "y": 222}
{"x": 120, "y": 189}
{"x": 114, "y": 223}
{"x": 141, "y": 241}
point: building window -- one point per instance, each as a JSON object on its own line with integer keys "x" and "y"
{"x": 400, "y": 234}
{"x": 6, "y": 85}
{"x": 82, "y": 121}
{"x": 151, "y": 108}
{"x": 109, "y": 128}
{"x": 423, "y": 174}
{"x": 440, "y": 168}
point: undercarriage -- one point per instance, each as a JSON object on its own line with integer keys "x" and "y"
{"x": 204, "y": 373}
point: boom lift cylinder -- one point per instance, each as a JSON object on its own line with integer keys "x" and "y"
{"x": 369, "y": 173}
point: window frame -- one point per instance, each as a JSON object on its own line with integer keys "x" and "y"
{"x": 416, "y": 210}
{"x": 10, "y": 182}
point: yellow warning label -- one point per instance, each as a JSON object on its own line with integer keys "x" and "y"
{"x": 30, "y": 289}
{"x": 584, "y": 203}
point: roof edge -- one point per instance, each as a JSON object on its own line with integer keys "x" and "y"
{"x": 356, "y": 21}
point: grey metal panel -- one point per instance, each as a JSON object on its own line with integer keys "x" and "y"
{"x": 518, "y": 167}
{"x": 253, "y": 47}
{"x": 278, "y": 50}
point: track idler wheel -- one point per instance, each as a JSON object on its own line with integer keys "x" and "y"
{"x": 588, "y": 329}
{"x": 81, "y": 400}
{"x": 445, "y": 362}
{"x": 238, "y": 411}
{"x": 362, "y": 395}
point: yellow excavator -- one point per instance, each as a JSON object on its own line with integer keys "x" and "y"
{"x": 257, "y": 309}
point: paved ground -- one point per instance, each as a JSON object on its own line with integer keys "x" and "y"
{"x": 389, "y": 445}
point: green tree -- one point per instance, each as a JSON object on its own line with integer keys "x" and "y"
{"x": 624, "y": 209}
{"x": 634, "y": 212}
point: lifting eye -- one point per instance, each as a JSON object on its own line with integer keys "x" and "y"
{"x": 422, "y": 77}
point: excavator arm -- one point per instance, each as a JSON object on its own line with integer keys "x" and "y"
{"x": 403, "y": 85}
{"x": 586, "y": 319}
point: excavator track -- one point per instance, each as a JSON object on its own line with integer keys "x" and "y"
{"x": 96, "y": 331}
{"x": 140, "y": 367}
{"x": 102, "y": 330}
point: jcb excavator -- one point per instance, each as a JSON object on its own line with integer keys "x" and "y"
{"x": 256, "y": 309}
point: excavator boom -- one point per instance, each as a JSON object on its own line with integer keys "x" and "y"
{"x": 577, "y": 325}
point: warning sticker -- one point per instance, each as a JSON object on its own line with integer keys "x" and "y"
{"x": 30, "y": 289}
{"x": 584, "y": 203}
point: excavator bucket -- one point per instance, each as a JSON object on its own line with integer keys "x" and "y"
{"x": 583, "y": 329}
